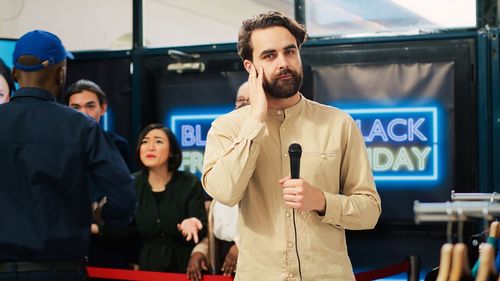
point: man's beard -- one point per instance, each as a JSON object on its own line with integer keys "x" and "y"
{"x": 283, "y": 88}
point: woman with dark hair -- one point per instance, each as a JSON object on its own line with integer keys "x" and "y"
{"x": 6, "y": 83}
{"x": 171, "y": 216}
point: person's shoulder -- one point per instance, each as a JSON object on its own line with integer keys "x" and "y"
{"x": 233, "y": 119}
{"x": 138, "y": 175}
{"x": 234, "y": 115}
{"x": 186, "y": 175}
{"x": 139, "y": 179}
{"x": 189, "y": 179}
{"x": 115, "y": 137}
{"x": 4, "y": 107}
{"x": 69, "y": 114}
{"x": 327, "y": 110}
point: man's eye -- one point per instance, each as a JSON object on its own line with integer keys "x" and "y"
{"x": 269, "y": 56}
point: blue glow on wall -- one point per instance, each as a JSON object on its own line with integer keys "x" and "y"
{"x": 104, "y": 122}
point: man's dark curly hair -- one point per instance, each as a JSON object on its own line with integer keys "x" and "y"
{"x": 263, "y": 21}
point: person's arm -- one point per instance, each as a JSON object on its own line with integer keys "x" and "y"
{"x": 198, "y": 261}
{"x": 358, "y": 205}
{"x": 195, "y": 226}
{"x": 231, "y": 150}
{"x": 230, "y": 262}
{"x": 201, "y": 247}
{"x": 111, "y": 177}
{"x": 230, "y": 158}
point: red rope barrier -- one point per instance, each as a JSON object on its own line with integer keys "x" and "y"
{"x": 383, "y": 272}
{"x": 137, "y": 275}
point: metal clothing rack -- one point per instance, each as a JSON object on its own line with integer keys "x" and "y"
{"x": 463, "y": 206}
{"x": 455, "y": 211}
{"x": 491, "y": 197}
{"x": 458, "y": 211}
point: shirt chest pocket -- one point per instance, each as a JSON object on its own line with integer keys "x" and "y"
{"x": 323, "y": 164}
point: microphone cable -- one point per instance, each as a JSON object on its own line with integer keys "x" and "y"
{"x": 296, "y": 243}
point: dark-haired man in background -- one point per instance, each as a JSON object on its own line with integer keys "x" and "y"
{"x": 49, "y": 153}
{"x": 88, "y": 98}
{"x": 290, "y": 229}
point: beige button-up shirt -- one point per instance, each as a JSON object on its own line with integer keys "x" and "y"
{"x": 244, "y": 159}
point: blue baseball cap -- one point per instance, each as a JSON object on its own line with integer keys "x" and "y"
{"x": 43, "y": 45}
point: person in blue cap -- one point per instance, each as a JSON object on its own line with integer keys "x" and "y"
{"x": 49, "y": 155}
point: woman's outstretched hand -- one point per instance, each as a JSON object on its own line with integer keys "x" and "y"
{"x": 189, "y": 228}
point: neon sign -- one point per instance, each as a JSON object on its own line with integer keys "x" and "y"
{"x": 191, "y": 132}
{"x": 402, "y": 142}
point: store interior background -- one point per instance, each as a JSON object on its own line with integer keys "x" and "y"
{"x": 161, "y": 59}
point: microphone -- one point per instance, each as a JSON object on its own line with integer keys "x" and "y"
{"x": 295, "y": 151}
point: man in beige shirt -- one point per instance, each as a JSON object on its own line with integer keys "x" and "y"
{"x": 290, "y": 229}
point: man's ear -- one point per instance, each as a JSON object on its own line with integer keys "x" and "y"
{"x": 248, "y": 65}
{"x": 104, "y": 107}
{"x": 14, "y": 75}
{"x": 61, "y": 75}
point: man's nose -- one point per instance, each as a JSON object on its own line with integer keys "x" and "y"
{"x": 282, "y": 62}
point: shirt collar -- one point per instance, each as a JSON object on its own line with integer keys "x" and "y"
{"x": 293, "y": 110}
{"x": 33, "y": 93}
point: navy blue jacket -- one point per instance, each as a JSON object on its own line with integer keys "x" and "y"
{"x": 123, "y": 147}
{"x": 49, "y": 153}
